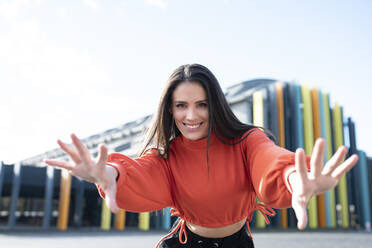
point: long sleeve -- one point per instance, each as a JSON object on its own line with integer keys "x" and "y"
{"x": 142, "y": 183}
{"x": 269, "y": 167}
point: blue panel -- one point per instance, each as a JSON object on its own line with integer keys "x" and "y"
{"x": 17, "y": 169}
{"x": 2, "y": 172}
{"x": 354, "y": 186}
{"x": 122, "y": 147}
{"x": 79, "y": 201}
{"x": 166, "y": 221}
{"x": 363, "y": 176}
{"x": 323, "y": 124}
{"x": 48, "y": 198}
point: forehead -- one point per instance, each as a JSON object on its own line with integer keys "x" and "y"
{"x": 189, "y": 91}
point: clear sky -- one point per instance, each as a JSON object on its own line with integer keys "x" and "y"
{"x": 87, "y": 66}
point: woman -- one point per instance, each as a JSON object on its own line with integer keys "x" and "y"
{"x": 208, "y": 166}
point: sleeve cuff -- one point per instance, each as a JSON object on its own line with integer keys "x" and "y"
{"x": 287, "y": 172}
{"x": 114, "y": 165}
{"x": 291, "y": 169}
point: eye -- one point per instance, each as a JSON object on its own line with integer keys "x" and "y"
{"x": 203, "y": 105}
{"x": 180, "y": 105}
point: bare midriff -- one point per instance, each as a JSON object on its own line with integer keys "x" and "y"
{"x": 218, "y": 232}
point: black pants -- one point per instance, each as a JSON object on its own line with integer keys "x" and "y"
{"x": 240, "y": 239}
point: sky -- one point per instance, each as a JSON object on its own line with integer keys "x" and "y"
{"x": 85, "y": 66}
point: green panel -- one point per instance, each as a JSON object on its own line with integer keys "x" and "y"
{"x": 309, "y": 143}
{"x": 105, "y": 216}
{"x": 144, "y": 221}
{"x": 342, "y": 186}
{"x": 329, "y": 152}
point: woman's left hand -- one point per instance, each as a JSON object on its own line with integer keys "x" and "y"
{"x": 319, "y": 179}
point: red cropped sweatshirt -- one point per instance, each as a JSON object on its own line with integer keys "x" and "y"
{"x": 220, "y": 195}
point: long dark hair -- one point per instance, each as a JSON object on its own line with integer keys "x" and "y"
{"x": 222, "y": 120}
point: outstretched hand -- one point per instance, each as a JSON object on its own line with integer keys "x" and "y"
{"x": 83, "y": 166}
{"x": 319, "y": 179}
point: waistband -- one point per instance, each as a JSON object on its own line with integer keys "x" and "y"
{"x": 183, "y": 232}
{"x": 228, "y": 241}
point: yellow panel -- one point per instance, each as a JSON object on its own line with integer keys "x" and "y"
{"x": 64, "y": 200}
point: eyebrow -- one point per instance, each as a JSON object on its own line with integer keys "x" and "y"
{"x": 180, "y": 101}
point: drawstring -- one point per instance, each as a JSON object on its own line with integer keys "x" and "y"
{"x": 181, "y": 226}
{"x": 265, "y": 211}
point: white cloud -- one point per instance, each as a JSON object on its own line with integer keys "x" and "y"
{"x": 157, "y": 3}
{"x": 93, "y": 4}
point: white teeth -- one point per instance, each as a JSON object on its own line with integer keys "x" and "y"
{"x": 193, "y": 126}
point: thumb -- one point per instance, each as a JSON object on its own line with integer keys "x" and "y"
{"x": 111, "y": 199}
{"x": 301, "y": 214}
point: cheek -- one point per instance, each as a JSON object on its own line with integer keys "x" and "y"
{"x": 205, "y": 114}
{"x": 177, "y": 115}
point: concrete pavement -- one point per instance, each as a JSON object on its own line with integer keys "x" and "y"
{"x": 136, "y": 239}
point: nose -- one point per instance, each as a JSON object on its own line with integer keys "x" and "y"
{"x": 191, "y": 113}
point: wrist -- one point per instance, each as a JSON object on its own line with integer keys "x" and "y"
{"x": 111, "y": 172}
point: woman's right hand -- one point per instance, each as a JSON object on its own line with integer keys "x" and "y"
{"x": 83, "y": 166}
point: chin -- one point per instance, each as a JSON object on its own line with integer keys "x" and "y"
{"x": 195, "y": 136}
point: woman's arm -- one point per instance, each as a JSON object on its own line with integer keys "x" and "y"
{"x": 133, "y": 184}
{"x": 83, "y": 166}
{"x": 268, "y": 165}
{"x": 142, "y": 183}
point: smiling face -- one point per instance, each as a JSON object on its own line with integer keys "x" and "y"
{"x": 190, "y": 110}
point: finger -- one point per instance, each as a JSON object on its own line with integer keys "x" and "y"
{"x": 60, "y": 164}
{"x": 301, "y": 214}
{"x": 71, "y": 152}
{"x": 82, "y": 149}
{"x": 317, "y": 158}
{"x": 335, "y": 160}
{"x": 300, "y": 164}
{"x": 102, "y": 157}
{"x": 345, "y": 166}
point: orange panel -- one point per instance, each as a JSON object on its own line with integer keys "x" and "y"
{"x": 317, "y": 133}
{"x": 64, "y": 200}
{"x": 281, "y": 132}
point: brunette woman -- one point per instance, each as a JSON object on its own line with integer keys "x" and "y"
{"x": 209, "y": 167}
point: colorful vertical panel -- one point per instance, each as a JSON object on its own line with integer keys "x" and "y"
{"x": 353, "y": 178}
{"x": 309, "y": 143}
{"x": 120, "y": 220}
{"x": 105, "y": 216}
{"x": 48, "y": 198}
{"x": 166, "y": 221}
{"x": 17, "y": 170}
{"x": 273, "y": 127}
{"x": 331, "y": 216}
{"x": 322, "y": 111}
{"x": 64, "y": 200}
{"x": 79, "y": 201}
{"x": 144, "y": 221}
{"x": 342, "y": 186}
{"x": 2, "y": 172}
{"x": 258, "y": 120}
{"x": 317, "y": 134}
{"x": 297, "y": 136}
{"x": 365, "y": 190}
{"x": 281, "y": 132}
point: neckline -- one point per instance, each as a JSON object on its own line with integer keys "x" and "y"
{"x": 200, "y": 143}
